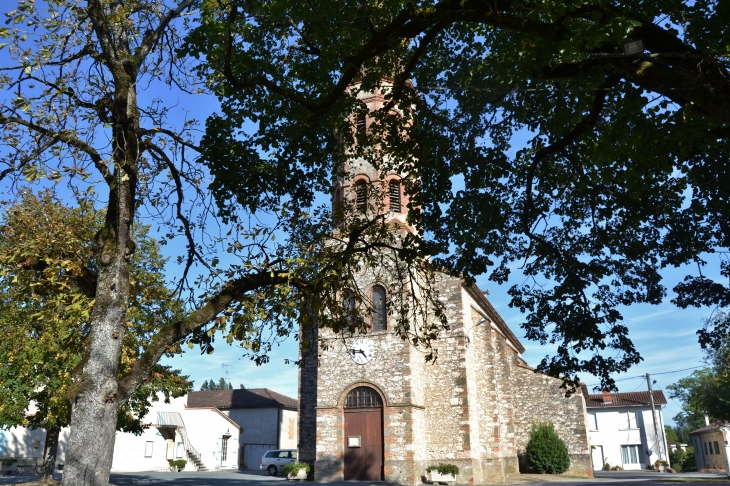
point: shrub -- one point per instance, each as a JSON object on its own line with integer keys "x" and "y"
{"x": 677, "y": 458}
{"x": 444, "y": 469}
{"x": 177, "y": 464}
{"x": 607, "y": 467}
{"x": 295, "y": 467}
{"x": 546, "y": 452}
{"x": 9, "y": 461}
{"x": 689, "y": 464}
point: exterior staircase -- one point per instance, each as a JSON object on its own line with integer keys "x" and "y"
{"x": 170, "y": 422}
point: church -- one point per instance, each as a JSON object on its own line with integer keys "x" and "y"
{"x": 371, "y": 407}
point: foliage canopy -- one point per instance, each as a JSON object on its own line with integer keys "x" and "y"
{"x": 531, "y": 140}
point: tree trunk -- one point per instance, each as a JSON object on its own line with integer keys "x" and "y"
{"x": 49, "y": 454}
{"x": 94, "y": 409}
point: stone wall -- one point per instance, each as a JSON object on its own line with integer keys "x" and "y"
{"x": 539, "y": 398}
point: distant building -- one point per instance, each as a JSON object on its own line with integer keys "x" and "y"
{"x": 217, "y": 429}
{"x": 621, "y": 429}
{"x": 711, "y": 446}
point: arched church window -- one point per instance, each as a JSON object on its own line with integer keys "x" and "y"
{"x": 361, "y": 194}
{"x": 379, "y": 317}
{"x": 394, "y": 196}
{"x": 348, "y": 306}
{"x": 363, "y": 397}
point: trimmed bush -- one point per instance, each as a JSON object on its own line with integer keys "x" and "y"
{"x": 295, "y": 467}
{"x": 177, "y": 464}
{"x": 444, "y": 469}
{"x": 546, "y": 452}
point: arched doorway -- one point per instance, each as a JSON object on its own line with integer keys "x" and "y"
{"x": 363, "y": 435}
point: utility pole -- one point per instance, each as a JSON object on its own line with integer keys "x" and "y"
{"x": 653, "y": 417}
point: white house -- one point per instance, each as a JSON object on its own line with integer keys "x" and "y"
{"x": 268, "y": 420}
{"x": 219, "y": 429}
{"x": 622, "y": 432}
{"x": 711, "y": 446}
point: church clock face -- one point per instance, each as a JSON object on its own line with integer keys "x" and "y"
{"x": 362, "y": 351}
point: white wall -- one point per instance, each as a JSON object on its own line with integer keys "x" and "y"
{"x": 264, "y": 429}
{"x": 205, "y": 428}
{"x": 22, "y": 442}
{"x": 612, "y": 433}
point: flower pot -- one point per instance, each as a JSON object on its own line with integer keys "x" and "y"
{"x": 437, "y": 477}
{"x": 301, "y": 475}
{"x": 661, "y": 468}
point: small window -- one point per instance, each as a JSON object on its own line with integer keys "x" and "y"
{"x": 361, "y": 192}
{"x": 361, "y": 124}
{"x": 592, "y": 423}
{"x": 379, "y": 309}
{"x": 629, "y": 420}
{"x": 717, "y": 447}
{"x": 705, "y": 444}
{"x": 148, "y": 448}
{"x": 630, "y": 454}
{"x": 394, "y": 196}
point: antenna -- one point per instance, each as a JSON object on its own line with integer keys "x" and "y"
{"x": 225, "y": 367}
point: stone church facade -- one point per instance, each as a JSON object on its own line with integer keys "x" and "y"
{"x": 372, "y": 408}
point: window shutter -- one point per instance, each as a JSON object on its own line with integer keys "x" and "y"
{"x": 394, "y": 196}
{"x": 361, "y": 191}
{"x": 379, "y": 310}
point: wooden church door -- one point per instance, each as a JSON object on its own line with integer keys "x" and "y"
{"x": 363, "y": 435}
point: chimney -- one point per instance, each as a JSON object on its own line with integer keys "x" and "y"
{"x": 707, "y": 420}
{"x": 606, "y": 396}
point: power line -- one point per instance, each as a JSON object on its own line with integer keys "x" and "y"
{"x": 654, "y": 374}
{"x": 677, "y": 371}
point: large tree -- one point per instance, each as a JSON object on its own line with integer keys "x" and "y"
{"x": 706, "y": 392}
{"x": 47, "y": 285}
{"x": 79, "y": 112}
{"x": 583, "y": 142}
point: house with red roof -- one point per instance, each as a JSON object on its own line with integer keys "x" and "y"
{"x": 623, "y": 431}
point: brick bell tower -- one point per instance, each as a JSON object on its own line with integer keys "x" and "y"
{"x": 372, "y": 409}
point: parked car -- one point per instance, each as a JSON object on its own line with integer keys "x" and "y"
{"x": 274, "y": 461}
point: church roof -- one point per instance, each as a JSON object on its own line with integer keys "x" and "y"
{"x": 632, "y": 399}
{"x": 493, "y": 315}
{"x": 242, "y": 398}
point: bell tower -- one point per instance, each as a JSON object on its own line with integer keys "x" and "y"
{"x": 372, "y": 190}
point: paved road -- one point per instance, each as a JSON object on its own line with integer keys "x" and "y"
{"x": 258, "y": 478}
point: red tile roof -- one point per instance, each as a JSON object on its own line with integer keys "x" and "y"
{"x": 632, "y": 399}
{"x": 711, "y": 427}
{"x": 248, "y": 398}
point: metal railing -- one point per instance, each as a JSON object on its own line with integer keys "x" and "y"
{"x": 174, "y": 419}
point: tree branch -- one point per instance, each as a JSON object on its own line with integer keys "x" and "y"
{"x": 69, "y": 140}
{"x": 170, "y": 334}
{"x": 151, "y": 38}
